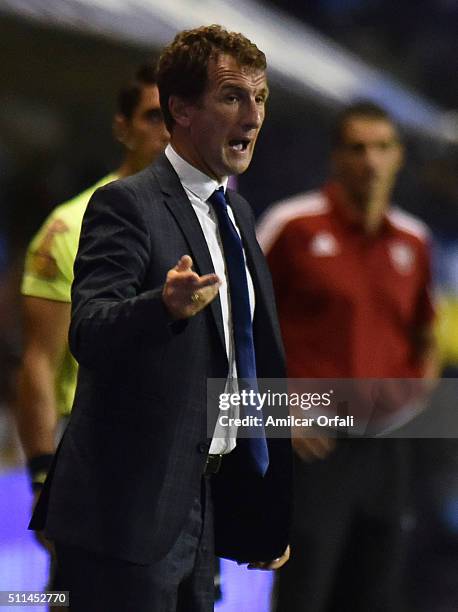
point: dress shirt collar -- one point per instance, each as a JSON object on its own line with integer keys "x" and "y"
{"x": 192, "y": 179}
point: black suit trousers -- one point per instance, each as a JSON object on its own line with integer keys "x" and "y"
{"x": 180, "y": 582}
{"x": 348, "y": 542}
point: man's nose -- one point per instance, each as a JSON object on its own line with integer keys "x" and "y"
{"x": 372, "y": 157}
{"x": 254, "y": 115}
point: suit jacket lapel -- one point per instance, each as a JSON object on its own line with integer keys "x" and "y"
{"x": 178, "y": 203}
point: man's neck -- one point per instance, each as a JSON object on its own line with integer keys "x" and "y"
{"x": 374, "y": 215}
{"x": 128, "y": 166}
{"x": 192, "y": 157}
{"x": 370, "y": 212}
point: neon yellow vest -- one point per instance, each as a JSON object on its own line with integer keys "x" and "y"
{"x": 48, "y": 273}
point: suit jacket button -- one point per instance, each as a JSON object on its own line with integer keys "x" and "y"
{"x": 203, "y": 447}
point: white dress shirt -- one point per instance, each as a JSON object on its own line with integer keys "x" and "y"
{"x": 199, "y": 187}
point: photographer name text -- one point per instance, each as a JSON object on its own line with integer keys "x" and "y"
{"x": 289, "y": 421}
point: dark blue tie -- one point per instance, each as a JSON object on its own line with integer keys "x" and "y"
{"x": 242, "y": 325}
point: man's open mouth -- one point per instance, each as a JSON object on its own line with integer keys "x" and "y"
{"x": 240, "y": 144}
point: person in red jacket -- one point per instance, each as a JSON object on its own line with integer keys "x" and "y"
{"x": 352, "y": 279}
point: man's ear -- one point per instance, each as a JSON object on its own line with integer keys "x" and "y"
{"x": 120, "y": 130}
{"x": 181, "y": 110}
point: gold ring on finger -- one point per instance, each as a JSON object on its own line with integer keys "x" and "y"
{"x": 196, "y": 297}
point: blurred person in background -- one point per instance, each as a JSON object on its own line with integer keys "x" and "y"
{"x": 48, "y": 372}
{"x": 352, "y": 282}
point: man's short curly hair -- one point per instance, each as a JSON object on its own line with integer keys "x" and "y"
{"x": 130, "y": 95}
{"x": 182, "y": 67}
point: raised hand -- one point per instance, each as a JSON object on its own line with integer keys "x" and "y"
{"x": 185, "y": 293}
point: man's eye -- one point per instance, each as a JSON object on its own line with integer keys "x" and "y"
{"x": 232, "y": 98}
{"x": 260, "y": 100}
{"x": 154, "y": 116}
{"x": 356, "y": 148}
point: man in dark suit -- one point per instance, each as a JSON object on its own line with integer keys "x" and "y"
{"x": 171, "y": 289}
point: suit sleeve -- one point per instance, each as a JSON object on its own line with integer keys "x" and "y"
{"x": 110, "y": 310}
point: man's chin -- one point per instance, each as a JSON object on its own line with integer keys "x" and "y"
{"x": 237, "y": 167}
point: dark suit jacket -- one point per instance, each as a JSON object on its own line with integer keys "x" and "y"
{"x": 131, "y": 460}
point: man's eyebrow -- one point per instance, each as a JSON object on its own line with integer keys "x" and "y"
{"x": 235, "y": 87}
{"x": 153, "y": 111}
